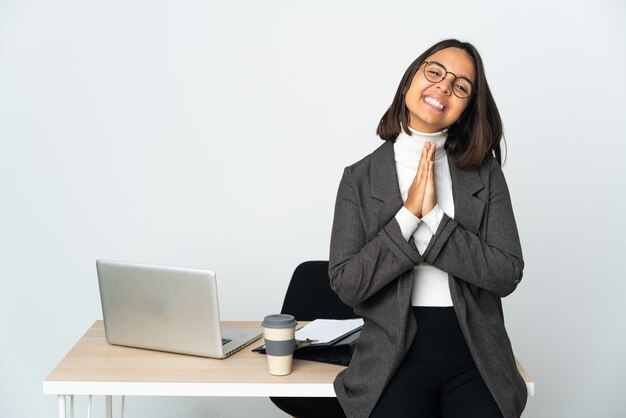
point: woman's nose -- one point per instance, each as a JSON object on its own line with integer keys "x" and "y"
{"x": 446, "y": 83}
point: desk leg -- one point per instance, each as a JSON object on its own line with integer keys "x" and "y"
{"x": 61, "y": 406}
{"x": 108, "y": 401}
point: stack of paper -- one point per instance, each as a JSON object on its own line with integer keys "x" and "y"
{"x": 325, "y": 331}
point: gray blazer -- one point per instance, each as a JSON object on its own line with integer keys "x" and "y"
{"x": 370, "y": 269}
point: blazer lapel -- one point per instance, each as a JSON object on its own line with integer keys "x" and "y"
{"x": 468, "y": 209}
{"x": 384, "y": 182}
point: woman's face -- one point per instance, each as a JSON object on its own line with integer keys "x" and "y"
{"x": 430, "y": 117}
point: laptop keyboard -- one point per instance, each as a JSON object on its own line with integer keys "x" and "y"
{"x": 225, "y": 341}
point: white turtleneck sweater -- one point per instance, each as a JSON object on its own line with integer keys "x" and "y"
{"x": 430, "y": 285}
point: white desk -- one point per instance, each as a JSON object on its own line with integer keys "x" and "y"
{"x": 94, "y": 367}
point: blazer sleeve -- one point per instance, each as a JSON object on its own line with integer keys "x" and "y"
{"x": 493, "y": 262}
{"x": 358, "y": 269}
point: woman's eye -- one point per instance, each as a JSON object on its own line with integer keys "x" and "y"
{"x": 462, "y": 88}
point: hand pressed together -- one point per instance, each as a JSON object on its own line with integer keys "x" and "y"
{"x": 422, "y": 193}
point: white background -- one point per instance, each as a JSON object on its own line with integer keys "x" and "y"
{"x": 213, "y": 134}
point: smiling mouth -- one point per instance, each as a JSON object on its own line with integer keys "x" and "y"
{"x": 435, "y": 103}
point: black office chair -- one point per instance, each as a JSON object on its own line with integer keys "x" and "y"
{"x": 309, "y": 297}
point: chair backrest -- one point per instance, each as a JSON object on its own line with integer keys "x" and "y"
{"x": 310, "y": 297}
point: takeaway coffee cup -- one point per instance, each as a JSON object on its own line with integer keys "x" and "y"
{"x": 279, "y": 334}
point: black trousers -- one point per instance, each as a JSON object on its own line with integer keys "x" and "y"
{"x": 438, "y": 377}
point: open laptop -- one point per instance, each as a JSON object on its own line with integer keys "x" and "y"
{"x": 163, "y": 308}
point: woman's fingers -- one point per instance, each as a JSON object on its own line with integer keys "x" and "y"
{"x": 422, "y": 165}
{"x": 430, "y": 192}
{"x": 423, "y": 184}
{"x": 415, "y": 198}
{"x": 431, "y": 151}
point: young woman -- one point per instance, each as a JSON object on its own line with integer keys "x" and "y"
{"x": 424, "y": 245}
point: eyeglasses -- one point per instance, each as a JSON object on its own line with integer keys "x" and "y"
{"x": 435, "y": 72}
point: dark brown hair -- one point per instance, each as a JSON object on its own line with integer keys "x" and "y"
{"x": 479, "y": 129}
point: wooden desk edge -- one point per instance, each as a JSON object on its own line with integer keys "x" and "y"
{"x": 207, "y": 389}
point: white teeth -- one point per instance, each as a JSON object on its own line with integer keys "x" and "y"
{"x": 433, "y": 102}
